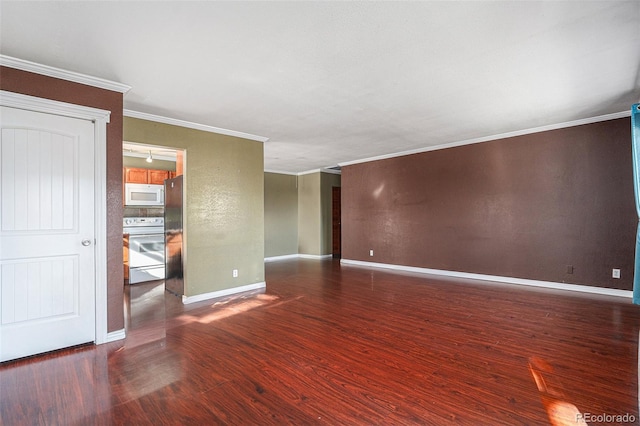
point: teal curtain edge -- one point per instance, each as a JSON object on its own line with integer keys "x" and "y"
{"x": 635, "y": 152}
{"x": 636, "y": 271}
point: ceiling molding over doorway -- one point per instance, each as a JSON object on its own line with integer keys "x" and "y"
{"x": 190, "y": 125}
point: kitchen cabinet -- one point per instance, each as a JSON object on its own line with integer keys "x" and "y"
{"x": 158, "y": 177}
{"x": 149, "y": 176}
{"x": 134, "y": 175}
{"x": 179, "y": 163}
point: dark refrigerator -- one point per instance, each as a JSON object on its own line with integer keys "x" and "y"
{"x": 174, "y": 277}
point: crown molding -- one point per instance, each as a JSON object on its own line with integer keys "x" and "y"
{"x": 21, "y": 64}
{"x": 540, "y": 129}
{"x": 278, "y": 172}
{"x": 322, "y": 170}
{"x": 191, "y": 125}
{"x": 331, "y": 171}
{"x": 308, "y": 172}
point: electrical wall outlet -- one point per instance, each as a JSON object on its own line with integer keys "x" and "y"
{"x": 615, "y": 273}
{"x": 569, "y": 269}
{"x": 371, "y": 252}
{"x": 235, "y": 273}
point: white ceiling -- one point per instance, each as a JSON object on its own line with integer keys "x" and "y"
{"x": 332, "y": 82}
{"x": 143, "y": 151}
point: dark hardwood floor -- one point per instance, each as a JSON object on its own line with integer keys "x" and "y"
{"x": 339, "y": 345}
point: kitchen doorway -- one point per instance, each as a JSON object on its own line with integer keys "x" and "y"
{"x": 336, "y": 222}
{"x": 151, "y": 176}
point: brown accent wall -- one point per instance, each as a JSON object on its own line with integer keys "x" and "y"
{"x": 17, "y": 81}
{"x": 525, "y": 207}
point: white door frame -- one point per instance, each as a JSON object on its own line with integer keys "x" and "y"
{"x": 100, "y": 118}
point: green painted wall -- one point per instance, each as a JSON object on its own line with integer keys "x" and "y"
{"x": 314, "y": 212}
{"x": 309, "y": 214}
{"x": 224, "y": 209}
{"x": 280, "y": 214}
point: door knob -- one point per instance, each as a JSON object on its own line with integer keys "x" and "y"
{"x": 86, "y": 242}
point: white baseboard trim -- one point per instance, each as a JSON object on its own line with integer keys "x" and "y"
{"x": 283, "y": 257}
{"x": 508, "y": 280}
{"x": 114, "y": 336}
{"x": 220, "y": 293}
{"x": 315, "y": 256}
{"x": 298, "y": 256}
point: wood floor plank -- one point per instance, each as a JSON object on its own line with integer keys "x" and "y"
{"x": 333, "y": 344}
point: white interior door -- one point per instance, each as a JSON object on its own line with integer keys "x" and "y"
{"x": 47, "y": 255}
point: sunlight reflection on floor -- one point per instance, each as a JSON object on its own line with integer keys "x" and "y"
{"x": 230, "y": 310}
{"x": 560, "y": 412}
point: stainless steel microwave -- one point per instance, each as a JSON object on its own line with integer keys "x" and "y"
{"x": 141, "y": 194}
